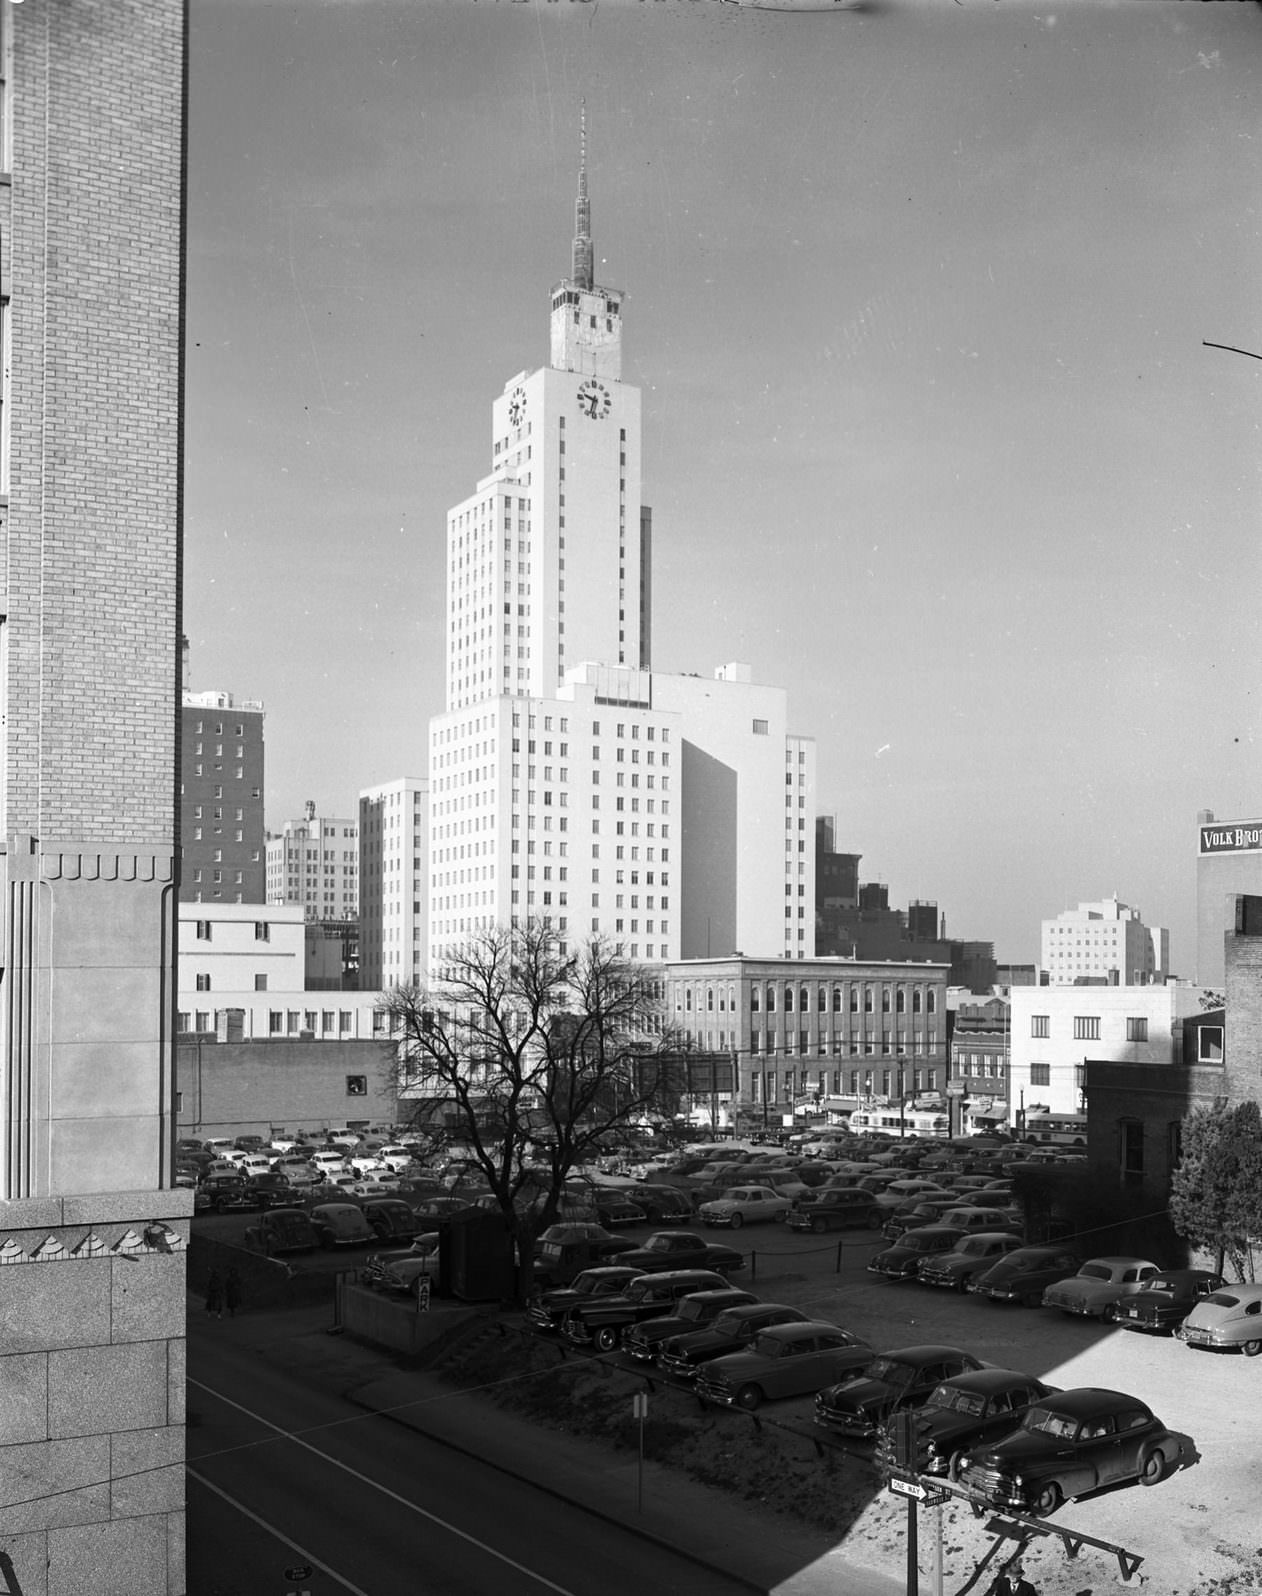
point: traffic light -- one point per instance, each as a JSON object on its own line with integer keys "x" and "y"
{"x": 907, "y": 1444}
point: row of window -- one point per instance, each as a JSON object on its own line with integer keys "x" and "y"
{"x": 862, "y": 997}
{"x": 1087, "y": 1027}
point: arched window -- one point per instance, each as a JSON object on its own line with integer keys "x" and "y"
{"x": 836, "y": 1000}
{"x": 788, "y": 1000}
{"x": 755, "y": 999}
{"x": 804, "y": 1001}
{"x": 885, "y": 1000}
{"x": 709, "y": 999}
{"x": 901, "y": 1001}
{"x": 933, "y": 1000}
{"x": 771, "y": 1000}
{"x": 867, "y": 1000}
{"x": 915, "y": 1000}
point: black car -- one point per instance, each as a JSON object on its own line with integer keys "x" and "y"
{"x": 902, "y": 1260}
{"x": 391, "y": 1219}
{"x": 834, "y": 1208}
{"x": 616, "y": 1208}
{"x": 1022, "y": 1276}
{"x": 549, "y": 1308}
{"x": 1165, "y": 1302}
{"x": 683, "y": 1355}
{"x": 565, "y": 1250}
{"x": 1068, "y": 1444}
{"x": 682, "y": 1249}
{"x": 272, "y": 1190}
{"x": 662, "y": 1204}
{"x": 602, "y": 1321}
{"x": 693, "y": 1312}
{"x": 964, "y": 1412}
{"x": 226, "y": 1194}
{"x": 904, "y": 1378}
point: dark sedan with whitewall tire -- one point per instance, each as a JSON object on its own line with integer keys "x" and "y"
{"x": 1166, "y": 1301}
{"x": 971, "y": 1256}
{"x": 1068, "y": 1445}
{"x": 683, "y": 1356}
{"x": 683, "y": 1249}
{"x": 963, "y": 1413}
{"x": 693, "y": 1312}
{"x": 859, "y": 1405}
{"x": 786, "y": 1361}
{"x": 903, "y": 1259}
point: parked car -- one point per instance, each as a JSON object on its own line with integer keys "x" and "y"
{"x": 548, "y": 1308}
{"x": 282, "y": 1230}
{"x": 662, "y": 1204}
{"x": 744, "y": 1205}
{"x": 971, "y": 1255}
{"x": 1166, "y": 1300}
{"x": 682, "y": 1355}
{"x": 858, "y": 1406}
{"x": 963, "y": 1413}
{"x": 901, "y": 1261}
{"x": 272, "y": 1189}
{"x": 973, "y": 1217}
{"x": 1024, "y": 1274}
{"x": 908, "y": 1189}
{"x": 390, "y": 1218}
{"x": 614, "y": 1207}
{"x": 1099, "y": 1286}
{"x": 834, "y": 1209}
{"x": 682, "y": 1249}
{"x": 330, "y": 1161}
{"x": 225, "y": 1194}
{"x": 908, "y": 1216}
{"x": 340, "y": 1224}
{"x": 397, "y": 1273}
{"x": 784, "y": 1361}
{"x": 1068, "y": 1444}
{"x": 692, "y": 1312}
{"x": 565, "y": 1250}
{"x": 602, "y": 1321}
{"x": 1228, "y": 1318}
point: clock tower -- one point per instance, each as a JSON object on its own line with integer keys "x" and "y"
{"x": 586, "y": 318}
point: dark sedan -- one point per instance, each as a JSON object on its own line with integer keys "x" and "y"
{"x": 1165, "y": 1302}
{"x": 550, "y": 1307}
{"x": 965, "y": 1412}
{"x": 691, "y": 1313}
{"x": 903, "y": 1259}
{"x": 860, "y": 1405}
{"x": 1067, "y": 1445}
{"x": 682, "y": 1356}
{"x": 1025, "y": 1274}
{"x": 682, "y": 1249}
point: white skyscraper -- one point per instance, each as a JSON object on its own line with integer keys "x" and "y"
{"x": 1104, "y": 942}
{"x": 673, "y": 814}
{"x": 393, "y": 837}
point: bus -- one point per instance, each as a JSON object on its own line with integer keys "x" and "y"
{"x": 891, "y": 1121}
{"x": 1056, "y": 1130}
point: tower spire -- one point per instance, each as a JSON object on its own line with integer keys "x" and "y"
{"x": 582, "y": 270}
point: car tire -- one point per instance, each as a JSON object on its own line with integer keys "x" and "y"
{"x": 1251, "y": 1348}
{"x": 954, "y": 1464}
{"x": 737, "y": 1221}
{"x": 749, "y": 1397}
{"x": 819, "y": 1226}
{"x": 606, "y": 1338}
{"x": 1049, "y": 1498}
{"x": 1109, "y": 1316}
{"x": 1153, "y": 1468}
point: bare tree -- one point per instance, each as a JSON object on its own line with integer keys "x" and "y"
{"x": 532, "y": 1057}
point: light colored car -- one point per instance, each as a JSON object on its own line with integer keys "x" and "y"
{"x": 366, "y": 1163}
{"x": 1230, "y": 1317}
{"x": 254, "y": 1164}
{"x": 744, "y": 1205}
{"x": 908, "y": 1190}
{"x": 1099, "y": 1285}
{"x": 332, "y": 1163}
{"x": 395, "y": 1158}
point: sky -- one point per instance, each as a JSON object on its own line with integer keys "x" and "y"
{"x": 917, "y": 295}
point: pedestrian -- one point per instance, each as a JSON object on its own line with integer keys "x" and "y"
{"x": 1012, "y": 1582}
{"x": 214, "y": 1295}
{"x": 232, "y": 1293}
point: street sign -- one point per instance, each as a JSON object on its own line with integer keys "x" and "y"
{"x": 925, "y": 1494}
{"x": 423, "y": 1286}
{"x": 640, "y": 1405}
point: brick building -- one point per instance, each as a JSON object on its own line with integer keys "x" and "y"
{"x": 92, "y": 1237}
{"x": 221, "y": 799}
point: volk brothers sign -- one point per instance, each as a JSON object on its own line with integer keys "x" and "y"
{"x": 1235, "y": 836}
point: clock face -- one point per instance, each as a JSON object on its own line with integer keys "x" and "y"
{"x": 517, "y": 407}
{"x": 593, "y": 400}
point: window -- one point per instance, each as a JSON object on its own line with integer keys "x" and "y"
{"x": 1136, "y": 1028}
{"x": 1040, "y": 1025}
{"x": 1132, "y": 1149}
{"x": 203, "y": 930}
{"x": 262, "y": 931}
{"x": 760, "y": 728}
{"x": 1209, "y": 1044}
{"x": 203, "y": 983}
{"x": 260, "y": 983}
{"x": 356, "y": 1086}
{"x": 1086, "y": 1028}
{"x": 1040, "y": 1074}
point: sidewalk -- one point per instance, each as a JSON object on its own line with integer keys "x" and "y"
{"x": 768, "y": 1554}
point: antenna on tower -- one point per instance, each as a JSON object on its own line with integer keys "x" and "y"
{"x": 582, "y": 271}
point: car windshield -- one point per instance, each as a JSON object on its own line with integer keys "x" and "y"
{"x": 972, "y": 1249}
{"x": 887, "y": 1369}
{"x": 1095, "y": 1272}
{"x": 729, "y": 1323}
{"x": 658, "y": 1244}
{"x": 1223, "y": 1299}
{"x": 1163, "y": 1283}
{"x": 691, "y": 1311}
{"x": 953, "y": 1400}
{"x": 1046, "y": 1421}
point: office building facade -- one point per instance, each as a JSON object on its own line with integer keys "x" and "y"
{"x": 1105, "y": 943}
{"x": 394, "y": 883}
{"x": 315, "y": 862}
{"x": 569, "y": 781}
{"x": 221, "y": 799}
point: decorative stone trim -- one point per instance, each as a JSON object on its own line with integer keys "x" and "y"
{"x": 89, "y": 1243}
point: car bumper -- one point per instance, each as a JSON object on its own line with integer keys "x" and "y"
{"x": 853, "y": 1425}
{"x": 1212, "y": 1339}
{"x": 721, "y": 1396}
